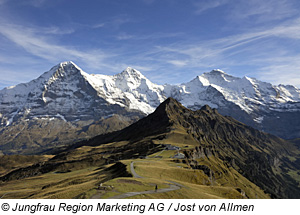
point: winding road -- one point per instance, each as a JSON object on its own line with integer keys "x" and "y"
{"x": 133, "y": 171}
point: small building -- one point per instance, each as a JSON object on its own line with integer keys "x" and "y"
{"x": 171, "y": 147}
{"x": 158, "y": 156}
{"x": 179, "y": 156}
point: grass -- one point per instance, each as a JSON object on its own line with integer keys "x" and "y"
{"x": 295, "y": 175}
{"x": 9, "y": 163}
{"x": 224, "y": 185}
{"x": 51, "y": 185}
{"x": 179, "y": 137}
{"x": 163, "y": 154}
{"x": 82, "y": 180}
{"x": 83, "y": 183}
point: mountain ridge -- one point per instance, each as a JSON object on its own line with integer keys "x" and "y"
{"x": 262, "y": 158}
{"x": 72, "y": 98}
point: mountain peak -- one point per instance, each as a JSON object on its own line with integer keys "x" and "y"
{"x": 131, "y": 73}
{"x": 63, "y": 69}
{"x": 65, "y": 63}
{"x": 131, "y": 79}
{"x": 218, "y": 71}
{"x": 68, "y": 65}
{"x": 207, "y": 108}
{"x": 170, "y": 103}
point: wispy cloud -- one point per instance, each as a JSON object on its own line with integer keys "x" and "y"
{"x": 179, "y": 63}
{"x": 172, "y": 57}
{"x": 263, "y": 11}
{"x": 114, "y": 22}
{"x": 156, "y": 36}
{"x": 39, "y": 44}
{"x": 124, "y": 36}
{"x": 250, "y": 11}
{"x": 280, "y": 69}
{"x": 202, "y": 6}
{"x": 99, "y": 25}
{"x": 257, "y": 49}
{"x": 199, "y": 53}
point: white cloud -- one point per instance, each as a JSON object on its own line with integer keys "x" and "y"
{"x": 114, "y": 22}
{"x": 178, "y": 63}
{"x": 202, "y": 6}
{"x": 55, "y": 30}
{"x": 99, "y": 25}
{"x": 124, "y": 36}
{"x": 42, "y": 45}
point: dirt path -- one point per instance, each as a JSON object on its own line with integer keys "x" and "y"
{"x": 3, "y": 195}
{"x": 8, "y": 193}
{"x": 125, "y": 195}
{"x": 133, "y": 171}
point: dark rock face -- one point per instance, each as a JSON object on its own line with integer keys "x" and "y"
{"x": 36, "y": 136}
{"x": 284, "y": 124}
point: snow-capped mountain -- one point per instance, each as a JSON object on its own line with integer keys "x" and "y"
{"x": 74, "y": 102}
{"x": 128, "y": 89}
{"x": 68, "y": 93}
{"x": 274, "y": 109}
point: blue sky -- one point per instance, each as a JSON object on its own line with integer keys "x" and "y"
{"x": 169, "y": 41}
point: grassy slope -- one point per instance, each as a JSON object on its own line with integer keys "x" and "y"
{"x": 51, "y": 185}
{"x": 159, "y": 168}
{"x": 9, "y": 163}
{"x": 82, "y": 182}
